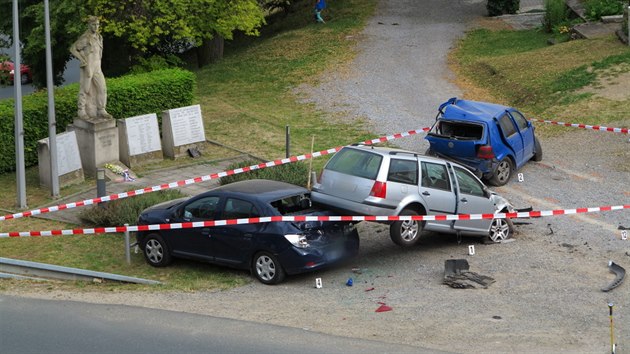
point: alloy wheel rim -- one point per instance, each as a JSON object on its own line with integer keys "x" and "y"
{"x": 409, "y": 230}
{"x": 154, "y": 251}
{"x": 499, "y": 230}
{"x": 266, "y": 268}
{"x": 503, "y": 171}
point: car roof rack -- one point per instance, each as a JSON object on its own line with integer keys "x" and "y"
{"x": 405, "y": 152}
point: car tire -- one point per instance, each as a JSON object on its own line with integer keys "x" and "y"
{"x": 501, "y": 229}
{"x": 538, "y": 153}
{"x": 502, "y": 173}
{"x": 267, "y": 269}
{"x": 406, "y": 233}
{"x": 156, "y": 251}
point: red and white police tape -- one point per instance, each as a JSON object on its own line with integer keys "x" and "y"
{"x": 202, "y": 178}
{"x": 584, "y": 126}
{"x": 305, "y": 218}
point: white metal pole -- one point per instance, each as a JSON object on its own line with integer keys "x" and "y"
{"x": 20, "y": 170}
{"x": 52, "y": 130}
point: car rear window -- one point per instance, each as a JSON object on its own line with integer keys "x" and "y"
{"x": 356, "y": 163}
{"x": 462, "y": 131}
{"x": 295, "y": 204}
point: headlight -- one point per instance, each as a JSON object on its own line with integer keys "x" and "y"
{"x": 297, "y": 240}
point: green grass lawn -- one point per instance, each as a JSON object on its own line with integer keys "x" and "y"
{"x": 519, "y": 68}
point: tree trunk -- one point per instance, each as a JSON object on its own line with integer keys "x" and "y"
{"x": 210, "y": 51}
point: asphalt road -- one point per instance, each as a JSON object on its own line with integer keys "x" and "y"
{"x": 44, "y": 326}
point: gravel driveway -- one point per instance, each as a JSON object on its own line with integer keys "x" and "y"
{"x": 546, "y": 297}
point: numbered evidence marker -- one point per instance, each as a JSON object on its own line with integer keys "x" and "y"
{"x": 318, "y": 283}
{"x": 520, "y": 177}
{"x": 471, "y": 250}
{"x": 624, "y": 235}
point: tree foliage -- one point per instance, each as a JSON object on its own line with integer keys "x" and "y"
{"x": 166, "y": 25}
{"x": 144, "y": 27}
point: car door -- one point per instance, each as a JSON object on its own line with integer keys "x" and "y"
{"x": 232, "y": 244}
{"x": 513, "y": 138}
{"x": 195, "y": 241}
{"x": 472, "y": 199}
{"x": 526, "y": 131}
{"x": 437, "y": 190}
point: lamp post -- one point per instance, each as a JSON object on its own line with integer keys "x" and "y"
{"x": 20, "y": 169}
{"x": 52, "y": 130}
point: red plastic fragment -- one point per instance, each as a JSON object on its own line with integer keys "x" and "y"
{"x": 369, "y": 289}
{"x": 383, "y": 308}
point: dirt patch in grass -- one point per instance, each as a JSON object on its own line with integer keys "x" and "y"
{"x": 612, "y": 83}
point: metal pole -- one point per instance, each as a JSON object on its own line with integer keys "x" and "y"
{"x": 287, "y": 133}
{"x": 20, "y": 169}
{"x": 127, "y": 246}
{"x": 52, "y": 130}
{"x": 101, "y": 184}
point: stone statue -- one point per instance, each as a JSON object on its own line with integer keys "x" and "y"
{"x": 93, "y": 91}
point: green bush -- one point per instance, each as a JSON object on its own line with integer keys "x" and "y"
{"x": 127, "y": 96}
{"x": 294, "y": 173}
{"x": 595, "y": 9}
{"x": 125, "y": 211}
{"x": 501, "y": 7}
{"x": 556, "y": 14}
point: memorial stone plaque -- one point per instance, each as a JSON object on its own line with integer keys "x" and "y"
{"x": 68, "y": 157}
{"x": 182, "y": 128}
{"x": 69, "y": 167}
{"x": 143, "y": 134}
{"x": 187, "y": 125}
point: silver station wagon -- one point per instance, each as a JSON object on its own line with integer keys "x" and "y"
{"x": 368, "y": 180}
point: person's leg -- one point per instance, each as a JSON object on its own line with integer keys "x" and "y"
{"x": 318, "y": 15}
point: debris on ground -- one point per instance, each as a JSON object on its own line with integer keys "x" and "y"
{"x": 383, "y": 308}
{"x": 620, "y": 273}
{"x": 458, "y": 276}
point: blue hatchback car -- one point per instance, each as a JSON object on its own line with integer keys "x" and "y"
{"x": 491, "y": 140}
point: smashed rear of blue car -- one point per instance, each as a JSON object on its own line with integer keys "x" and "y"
{"x": 491, "y": 140}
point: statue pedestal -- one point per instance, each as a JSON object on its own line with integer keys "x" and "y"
{"x": 98, "y": 142}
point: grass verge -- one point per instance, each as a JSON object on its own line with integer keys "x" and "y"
{"x": 519, "y": 68}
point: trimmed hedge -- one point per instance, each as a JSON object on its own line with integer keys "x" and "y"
{"x": 294, "y": 173}
{"x": 127, "y": 96}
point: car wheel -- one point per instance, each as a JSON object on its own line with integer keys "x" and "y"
{"x": 156, "y": 251}
{"x": 538, "y": 153}
{"x": 503, "y": 172}
{"x": 501, "y": 229}
{"x": 25, "y": 79}
{"x": 406, "y": 233}
{"x": 267, "y": 269}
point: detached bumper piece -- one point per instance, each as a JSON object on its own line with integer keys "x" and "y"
{"x": 620, "y": 273}
{"x": 457, "y": 275}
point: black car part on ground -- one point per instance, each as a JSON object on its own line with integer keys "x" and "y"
{"x": 620, "y": 273}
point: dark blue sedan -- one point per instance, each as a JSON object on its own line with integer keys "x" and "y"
{"x": 269, "y": 250}
{"x": 491, "y": 140}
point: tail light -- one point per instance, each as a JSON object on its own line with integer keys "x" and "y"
{"x": 485, "y": 152}
{"x": 379, "y": 190}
